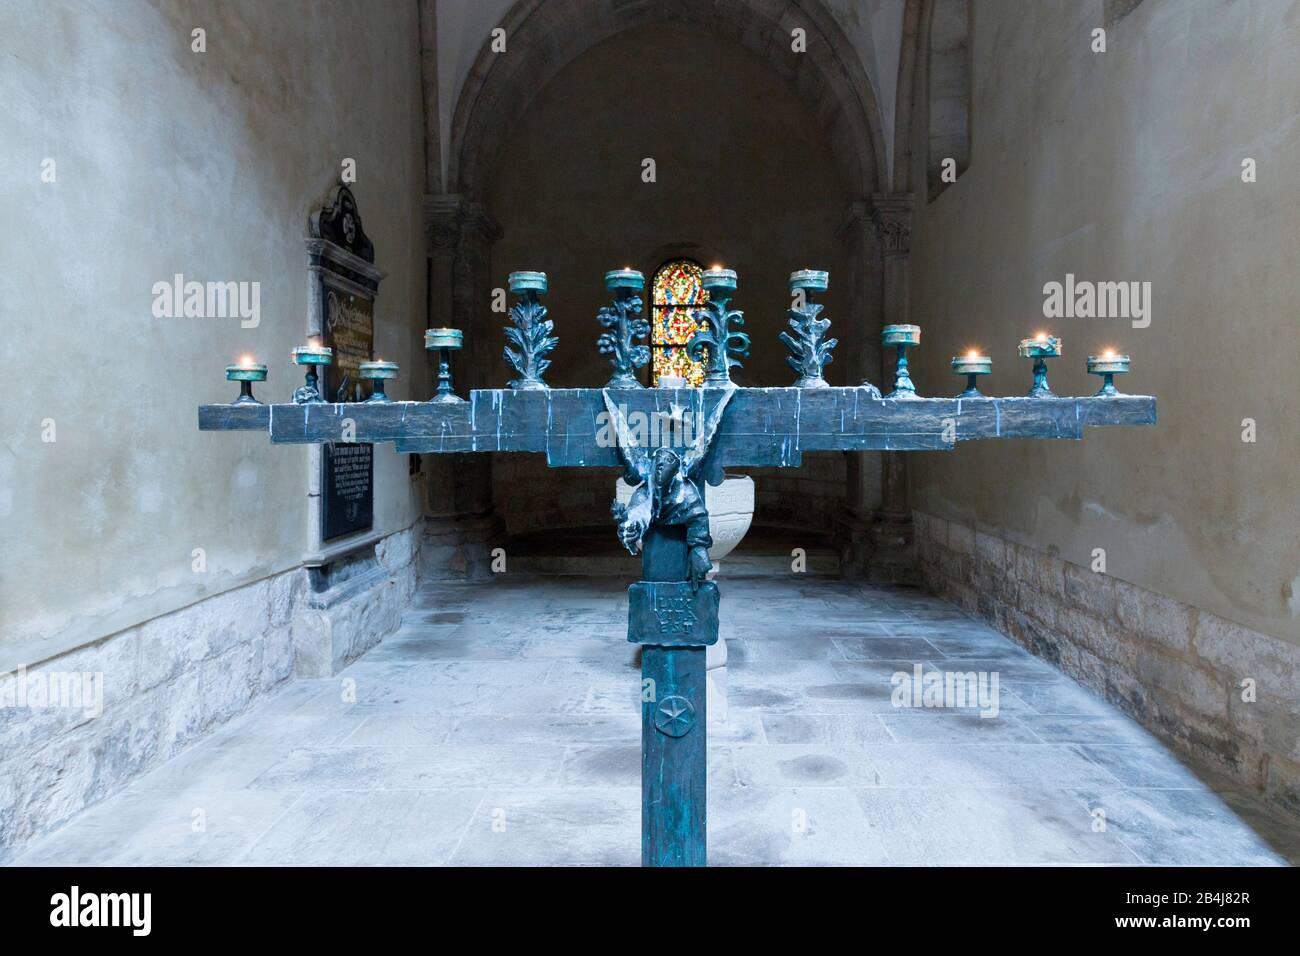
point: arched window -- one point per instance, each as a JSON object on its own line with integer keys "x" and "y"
{"x": 675, "y": 294}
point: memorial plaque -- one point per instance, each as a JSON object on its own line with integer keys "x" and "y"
{"x": 342, "y": 261}
{"x": 672, "y": 613}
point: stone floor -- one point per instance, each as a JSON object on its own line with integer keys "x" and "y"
{"x": 500, "y": 726}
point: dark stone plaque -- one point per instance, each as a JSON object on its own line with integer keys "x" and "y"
{"x": 342, "y": 260}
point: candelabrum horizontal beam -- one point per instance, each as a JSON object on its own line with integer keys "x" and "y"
{"x": 762, "y": 426}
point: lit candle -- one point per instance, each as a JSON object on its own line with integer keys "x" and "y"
{"x": 246, "y": 373}
{"x": 972, "y": 365}
{"x": 1108, "y": 364}
{"x": 1041, "y": 345}
{"x": 377, "y": 372}
{"x": 625, "y": 278}
{"x": 720, "y": 280}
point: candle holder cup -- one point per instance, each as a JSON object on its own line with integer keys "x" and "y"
{"x": 311, "y": 356}
{"x": 445, "y": 341}
{"x": 902, "y": 337}
{"x": 246, "y": 375}
{"x": 1040, "y": 349}
{"x": 1108, "y": 366}
{"x": 378, "y": 373}
{"x": 972, "y": 366}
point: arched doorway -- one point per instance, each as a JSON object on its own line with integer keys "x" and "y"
{"x": 759, "y": 156}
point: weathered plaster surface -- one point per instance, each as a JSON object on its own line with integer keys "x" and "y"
{"x": 205, "y": 164}
{"x": 1127, "y": 166}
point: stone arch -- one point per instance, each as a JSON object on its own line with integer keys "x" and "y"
{"x": 545, "y": 35}
{"x": 948, "y": 90}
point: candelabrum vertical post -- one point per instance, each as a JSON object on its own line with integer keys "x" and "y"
{"x": 1040, "y": 348}
{"x": 311, "y": 356}
{"x": 445, "y": 341}
{"x": 902, "y": 337}
{"x": 625, "y": 329}
{"x": 716, "y": 344}
{"x": 529, "y": 333}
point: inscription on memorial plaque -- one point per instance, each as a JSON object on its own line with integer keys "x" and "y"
{"x": 673, "y": 613}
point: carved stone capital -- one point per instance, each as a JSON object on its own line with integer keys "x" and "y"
{"x": 891, "y": 214}
{"x": 451, "y": 219}
{"x": 443, "y": 218}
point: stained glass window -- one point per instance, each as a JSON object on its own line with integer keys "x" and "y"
{"x": 677, "y": 292}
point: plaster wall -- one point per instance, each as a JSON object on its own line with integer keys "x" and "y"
{"x": 1127, "y": 166}
{"x": 206, "y": 164}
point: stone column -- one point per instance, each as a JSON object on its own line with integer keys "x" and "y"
{"x": 862, "y": 359}
{"x": 891, "y": 214}
{"x": 460, "y": 520}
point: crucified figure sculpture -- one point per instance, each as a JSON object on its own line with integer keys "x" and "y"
{"x": 669, "y": 489}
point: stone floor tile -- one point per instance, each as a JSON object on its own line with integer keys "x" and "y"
{"x": 586, "y": 827}
{"x": 451, "y": 766}
{"x": 830, "y": 730}
{"x": 792, "y": 647}
{"x": 148, "y": 828}
{"x": 790, "y": 826}
{"x": 917, "y": 726}
{"x": 402, "y": 732}
{"x": 887, "y": 648}
{"x": 476, "y": 735}
{"x": 972, "y": 827}
{"x": 988, "y": 765}
{"x": 805, "y": 765}
{"x": 369, "y": 828}
{"x": 1178, "y": 827}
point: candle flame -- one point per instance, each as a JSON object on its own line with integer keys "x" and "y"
{"x": 246, "y": 361}
{"x": 1042, "y": 336}
{"x": 973, "y": 353}
{"x": 1108, "y": 354}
